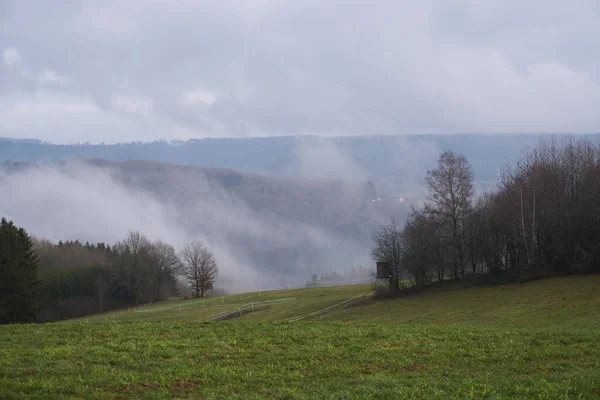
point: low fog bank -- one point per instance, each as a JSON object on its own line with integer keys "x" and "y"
{"x": 256, "y": 246}
{"x": 265, "y": 230}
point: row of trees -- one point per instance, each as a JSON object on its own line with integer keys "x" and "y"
{"x": 43, "y": 281}
{"x": 542, "y": 220}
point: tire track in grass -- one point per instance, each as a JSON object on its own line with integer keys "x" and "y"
{"x": 249, "y": 305}
{"x": 321, "y": 311}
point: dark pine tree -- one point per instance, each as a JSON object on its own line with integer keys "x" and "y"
{"x": 18, "y": 275}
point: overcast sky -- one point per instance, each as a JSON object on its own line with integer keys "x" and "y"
{"x": 141, "y": 70}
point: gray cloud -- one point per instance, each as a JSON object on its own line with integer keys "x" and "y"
{"x": 112, "y": 71}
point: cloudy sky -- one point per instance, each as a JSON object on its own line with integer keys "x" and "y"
{"x": 141, "y": 70}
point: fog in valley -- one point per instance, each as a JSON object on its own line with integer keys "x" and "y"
{"x": 265, "y": 231}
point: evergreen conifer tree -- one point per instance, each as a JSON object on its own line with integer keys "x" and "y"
{"x": 18, "y": 275}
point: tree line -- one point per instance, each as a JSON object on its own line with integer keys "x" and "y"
{"x": 543, "y": 219}
{"x": 43, "y": 281}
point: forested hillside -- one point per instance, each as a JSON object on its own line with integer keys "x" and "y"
{"x": 381, "y": 158}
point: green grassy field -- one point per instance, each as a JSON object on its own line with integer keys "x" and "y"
{"x": 536, "y": 340}
{"x": 294, "y": 361}
{"x": 565, "y": 303}
{"x": 559, "y": 303}
{"x": 278, "y": 306}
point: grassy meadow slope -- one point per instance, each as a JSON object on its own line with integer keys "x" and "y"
{"x": 569, "y": 302}
{"x": 566, "y": 303}
{"x": 533, "y": 340}
{"x": 274, "y": 306}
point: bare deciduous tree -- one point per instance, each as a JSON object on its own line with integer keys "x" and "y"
{"x": 165, "y": 264}
{"x": 199, "y": 267}
{"x": 451, "y": 189}
{"x": 387, "y": 248}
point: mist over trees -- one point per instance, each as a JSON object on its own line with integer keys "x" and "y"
{"x": 378, "y": 156}
{"x": 542, "y": 220}
{"x": 277, "y": 230}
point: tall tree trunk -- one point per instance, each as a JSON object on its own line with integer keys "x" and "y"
{"x": 533, "y": 232}
{"x": 523, "y": 232}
